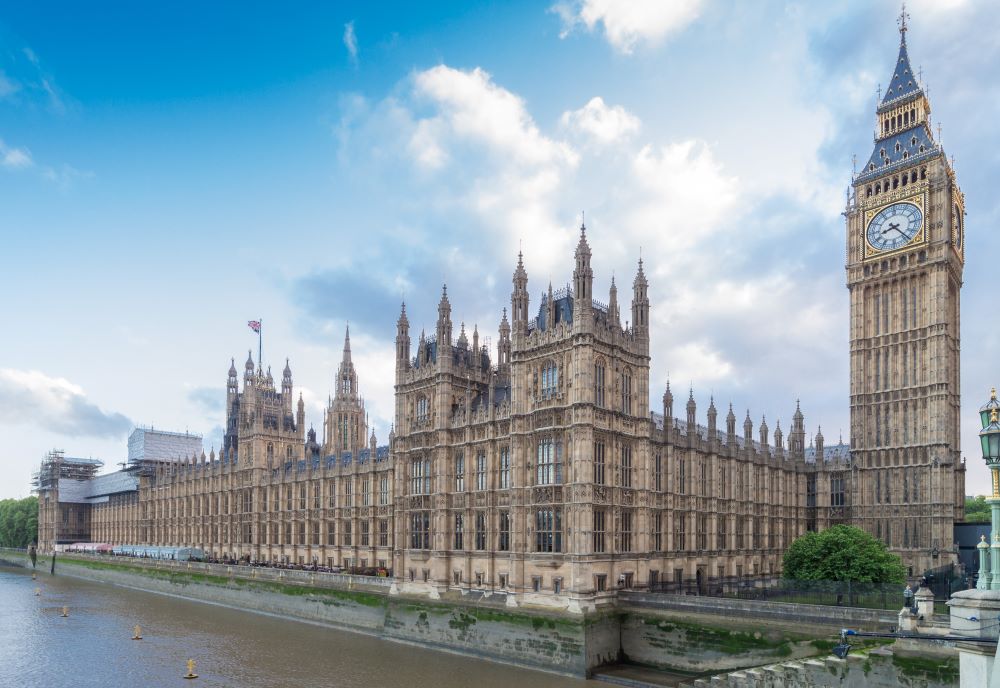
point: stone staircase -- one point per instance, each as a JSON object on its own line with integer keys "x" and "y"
{"x": 874, "y": 669}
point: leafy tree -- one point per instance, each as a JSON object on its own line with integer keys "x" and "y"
{"x": 18, "y": 522}
{"x": 977, "y": 510}
{"x": 842, "y": 553}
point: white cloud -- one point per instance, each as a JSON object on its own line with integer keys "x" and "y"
{"x": 685, "y": 197}
{"x": 15, "y": 158}
{"x": 56, "y": 404}
{"x": 351, "y": 41}
{"x": 698, "y": 362}
{"x": 471, "y": 106}
{"x": 601, "y": 124}
{"x": 628, "y": 23}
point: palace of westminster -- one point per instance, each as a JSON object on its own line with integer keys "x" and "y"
{"x": 545, "y": 474}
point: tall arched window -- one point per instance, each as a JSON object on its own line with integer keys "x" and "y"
{"x": 550, "y": 379}
{"x": 423, "y": 409}
{"x": 626, "y": 391}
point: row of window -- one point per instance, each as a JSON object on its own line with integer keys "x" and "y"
{"x": 548, "y": 531}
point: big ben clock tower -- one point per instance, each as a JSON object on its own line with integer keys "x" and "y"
{"x": 905, "y": 254}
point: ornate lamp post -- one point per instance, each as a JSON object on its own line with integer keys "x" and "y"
{"x": 989, "y": 437}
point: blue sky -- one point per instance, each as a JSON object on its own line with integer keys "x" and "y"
{"x": 167, "y": 173}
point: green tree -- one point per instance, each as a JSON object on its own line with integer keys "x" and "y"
{"x": 842, "y": 553}
{"x": 18, "y": 522}
{"x": 977, "y": 510}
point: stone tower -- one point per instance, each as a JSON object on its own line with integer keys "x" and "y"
{"x": 905, "y": 254}
{"x": 346, "y": 423}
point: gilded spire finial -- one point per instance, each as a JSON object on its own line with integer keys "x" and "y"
{"x": 903, "y": 16}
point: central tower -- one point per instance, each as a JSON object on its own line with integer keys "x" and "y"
{"x": 905, "y": 254}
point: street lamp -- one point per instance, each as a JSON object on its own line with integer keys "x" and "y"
{"x": 989, "y": 437}
{"x": 986, "y": 409}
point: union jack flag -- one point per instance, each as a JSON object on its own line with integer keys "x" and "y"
{"x": 254, "y": 325}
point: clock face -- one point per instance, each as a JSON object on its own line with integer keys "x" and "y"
{"x": 894, "y": 226}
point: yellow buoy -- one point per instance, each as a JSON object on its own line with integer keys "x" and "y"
{"x": 190, "y": 673}
{"x": 65, "y": 612}
{"x": 138, "y": 633}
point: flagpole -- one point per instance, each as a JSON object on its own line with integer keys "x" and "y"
{"x": 260, "y": 344}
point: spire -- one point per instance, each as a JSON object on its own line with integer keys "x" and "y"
{"x": 444, "y": 319}
{"x": 249, "y": 365}
{"x": 519, "y": 297}
{"x": 287, "y": 372}
{"x": 613, "y": 304}
{"x": 403, "y": 321}
{"x": 232, "y": 367}
{"x": 347, "y": 344}
{"x": 904, "y": 82}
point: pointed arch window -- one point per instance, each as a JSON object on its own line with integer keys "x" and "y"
{"x": 550, "y": 379}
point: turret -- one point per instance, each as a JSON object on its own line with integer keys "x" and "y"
{"x": 503, "y": 347}
{"x": 713, "y": 416}
{"x": 819, "y": 445}
{"x": 731, "y": 426}
{"x": 232, "y": 384}
{"x": 583, "y": 280}
{"x": 248, "y": 369}
{"x": 286, "y": 380}
{"x": 300, "y": 415}
{"x": 668, "y": 407}
{"x": 640, "y": 304}
{"x": 763, "y": 432}
{"x": 519, "y": 297}
{"x": 778, "y": 438}
{"x": 444, "y": 325}
{"x": 748, "y": 431}
{"x": 613, "y": 316}
{"x": 550, "y": 310}
{"x": 463, "y": 341}
{"x": 691, "y": 411}
{"x": 402, "y": 341}
{"x": 797, "y": 435}
{"x": 476, "y": 362}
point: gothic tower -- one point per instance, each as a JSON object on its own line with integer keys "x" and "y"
{"x": 346, "y": 422}
{"x": 905, "y": 253}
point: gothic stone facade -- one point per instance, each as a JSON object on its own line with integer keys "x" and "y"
{"x": 546, "y": 476}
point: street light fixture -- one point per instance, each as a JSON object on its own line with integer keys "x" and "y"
{"x": 989, "y": 437}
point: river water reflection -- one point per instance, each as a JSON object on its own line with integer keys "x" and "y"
{"x": 92, "y": 647}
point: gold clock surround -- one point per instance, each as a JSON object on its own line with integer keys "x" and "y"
{"x": 869, "y": 251}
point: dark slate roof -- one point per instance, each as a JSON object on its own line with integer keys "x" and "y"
{"x": 904, "y": 81}
{"x": 914, "y": 144}
{"x": 833, "y": 452}
{"x": 563, "y": 300}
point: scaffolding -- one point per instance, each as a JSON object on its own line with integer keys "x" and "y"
{"x": 56, "y": 465}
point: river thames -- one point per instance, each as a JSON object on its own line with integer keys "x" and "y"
{"x": 93, "y": 646}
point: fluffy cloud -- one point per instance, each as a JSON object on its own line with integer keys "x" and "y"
{"x": 627, "y": 24}
{"x": 599, "y": 123}
{"x": 479, "y": 174}
{"x": 29, "y": 396}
